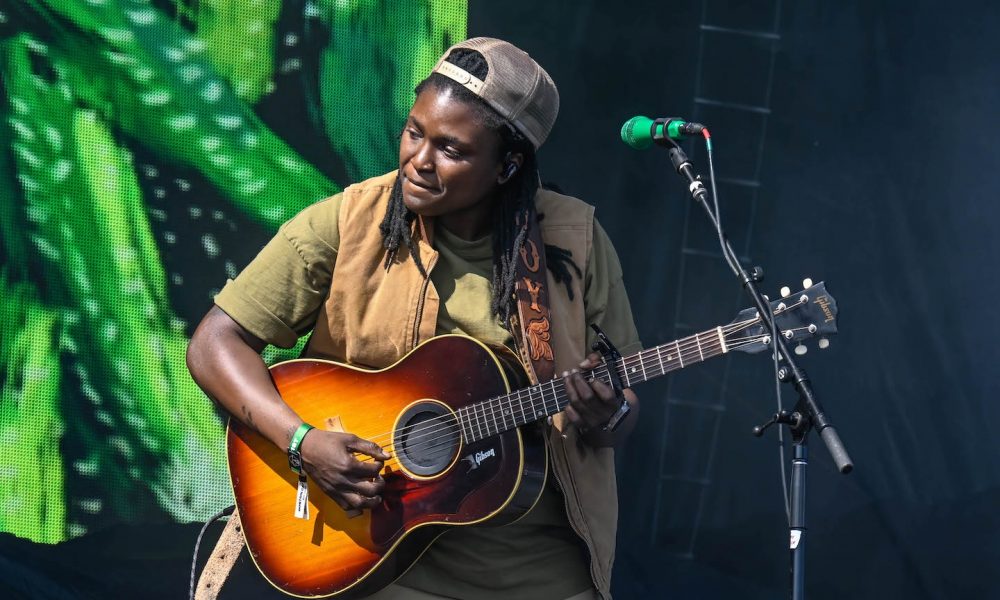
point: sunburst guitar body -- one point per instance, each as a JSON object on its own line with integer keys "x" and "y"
{"x": 436, "y": 477}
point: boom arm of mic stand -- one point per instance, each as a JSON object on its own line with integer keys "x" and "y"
{"x": 815, "y": 414}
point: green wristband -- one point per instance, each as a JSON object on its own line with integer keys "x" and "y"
{"x": 294, "y": 456}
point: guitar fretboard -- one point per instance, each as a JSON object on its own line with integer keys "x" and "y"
{"x": 503, "y": 413}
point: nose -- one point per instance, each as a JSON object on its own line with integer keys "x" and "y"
{"x": 423, "y": 158}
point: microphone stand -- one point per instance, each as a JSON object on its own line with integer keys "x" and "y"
{"x": 807, "y": 413}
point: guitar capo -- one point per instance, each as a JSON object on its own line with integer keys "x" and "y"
{"x": 610, "y": 353}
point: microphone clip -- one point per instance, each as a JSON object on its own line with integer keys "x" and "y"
{"x": 665, "y": 130}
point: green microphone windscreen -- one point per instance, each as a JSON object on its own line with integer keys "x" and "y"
{"x": 636, "y": 132}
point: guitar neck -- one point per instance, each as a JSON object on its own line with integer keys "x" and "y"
{"x": 503, "y": 413}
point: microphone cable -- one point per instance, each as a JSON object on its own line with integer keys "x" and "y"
{"x": 774, "y": 327}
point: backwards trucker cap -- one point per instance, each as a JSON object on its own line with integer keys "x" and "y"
{"x": 515, "y": 86}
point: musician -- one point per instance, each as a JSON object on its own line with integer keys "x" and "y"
{"x": 431, "y": 249}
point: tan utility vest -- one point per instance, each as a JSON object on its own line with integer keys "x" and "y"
{"x": 374, "y": 316}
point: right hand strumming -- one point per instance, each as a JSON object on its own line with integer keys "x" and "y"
{"x": 329, "y": 459}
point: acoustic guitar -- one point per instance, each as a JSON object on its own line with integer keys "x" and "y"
{"x": 453, "y": 415}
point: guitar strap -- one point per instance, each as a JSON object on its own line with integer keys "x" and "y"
{"x": 532, "y": 325}
{"x": 221, "y": 562}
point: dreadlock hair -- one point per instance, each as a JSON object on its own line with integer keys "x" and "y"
{"x": 513, "y": 211}
{"x": 395, "y": 228}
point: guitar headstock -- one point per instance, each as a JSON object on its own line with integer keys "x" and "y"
{"x": 809, "y": 313}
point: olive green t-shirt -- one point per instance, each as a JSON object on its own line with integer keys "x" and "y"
{"x": 277, "y": 298}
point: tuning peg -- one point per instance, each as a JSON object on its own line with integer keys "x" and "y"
{"x": 785, "y": 290}
{"x": 807, "y": 283}
{"x": 823, "y": 343}
{"x": 801, "y": 349}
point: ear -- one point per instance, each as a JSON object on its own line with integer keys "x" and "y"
{"x": 509, "y": 166}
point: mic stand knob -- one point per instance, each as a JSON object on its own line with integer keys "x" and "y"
{"x": 793, "y": 420}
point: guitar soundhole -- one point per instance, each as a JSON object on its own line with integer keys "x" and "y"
{"x": 426, "y": 438}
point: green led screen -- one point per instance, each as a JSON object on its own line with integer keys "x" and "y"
{"x": 150, "y": 148}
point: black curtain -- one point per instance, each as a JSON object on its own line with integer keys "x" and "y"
{"x": 879, "y": 176}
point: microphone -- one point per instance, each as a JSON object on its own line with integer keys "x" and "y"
{"x": 642, "y": 132}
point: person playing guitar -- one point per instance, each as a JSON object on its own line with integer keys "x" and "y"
{"x": 461, "y": 239}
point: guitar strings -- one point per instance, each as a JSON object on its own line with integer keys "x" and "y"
{"x": 446, "y": 426}
{"x": 449, "y": 428}
{"x": 440, "y": 449}
{"x": 627, "y": 364}
{"x": 637, "y": 359}
{"x": 682, "y": 350}
{"x": 558, "y": 388}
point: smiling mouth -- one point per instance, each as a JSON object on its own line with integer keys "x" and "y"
{"x": 422, "y": 186}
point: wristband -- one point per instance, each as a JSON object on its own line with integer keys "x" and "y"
{"x": 294, "y": 455}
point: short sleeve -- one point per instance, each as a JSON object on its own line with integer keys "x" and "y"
{"x": 278, "y": 295}
{"x": 605, "y": 298}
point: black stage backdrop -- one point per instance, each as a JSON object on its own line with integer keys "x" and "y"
{"x": 878, "y": 174}
{"x": 856, "y": 143}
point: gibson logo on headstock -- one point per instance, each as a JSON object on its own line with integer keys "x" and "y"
{"x": 824, "y": 304}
